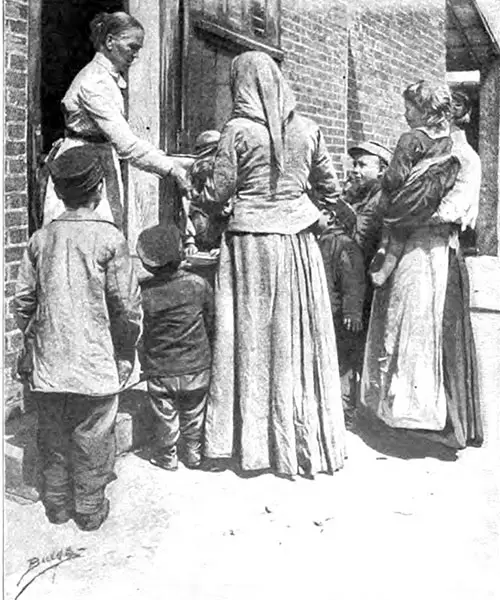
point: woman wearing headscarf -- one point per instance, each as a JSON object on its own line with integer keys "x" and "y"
{"x": 274, "y": 398}
{"x": 94, "y": 114}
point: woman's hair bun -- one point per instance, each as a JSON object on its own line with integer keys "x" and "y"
{"x": 115, "y": 23}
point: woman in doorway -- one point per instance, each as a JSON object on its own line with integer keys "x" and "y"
{"x": 274, "y": 398}
{"x": 94, "y": 112}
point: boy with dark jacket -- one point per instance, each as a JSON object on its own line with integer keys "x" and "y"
{"x": 178, "y": 314}
{"x": 346, "y": 279}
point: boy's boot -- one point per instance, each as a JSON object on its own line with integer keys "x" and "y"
{"x": 92, "y": 521}
{"x": 165, "y": 458}
{"x": 193, "y": 455}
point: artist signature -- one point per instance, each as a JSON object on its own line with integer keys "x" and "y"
{"x": 38, "y": 565}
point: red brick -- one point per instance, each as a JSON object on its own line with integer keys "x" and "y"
{"x": 15, "y": 183}
{"x": 16, "y": 166}
{"x": 17, "y": 236}
{"x": 17, "y": 97}
{"x": 16, "y": 200}
{"x": 9, "y": 289}
{"x": 15, "y": 79}
{"x": 10, "y": 360}
{"x": 10, "y": 324}
{"x": 17, "y": 26}
{"x": 15, "y": 148}
{"x": 17, "y": 62}
{"x": 14, "y": 341}
{"x": 15, "y": 10}
{"x": 14, "y": 254}
{"x": 11, "y": 272}
{"x": 16, "y": 131}
{"x": 15, "y": 218}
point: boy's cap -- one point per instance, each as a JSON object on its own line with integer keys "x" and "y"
{"x": 76, "y": 171}
{"x": 206, "y": 142}
{"x": 159, "y": 246}
{"x": 371, "y": 148}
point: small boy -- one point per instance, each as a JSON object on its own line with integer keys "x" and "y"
{"x": 78, "y": 304}
{"x": 178, "y": 314}
{"x": 369, "y": 163}
{"x": 204, "y": 230}
{"x": 345, "y": 275}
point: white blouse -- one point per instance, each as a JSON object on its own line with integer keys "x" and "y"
{"x": 461, "y": 204}
{"x": 94, "y": 105}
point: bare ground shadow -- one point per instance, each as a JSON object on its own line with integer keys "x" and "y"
{"x": 399, "y": 443}
{"x": 135, "y": 403}
{"x": 21, "y": 467}
{"x": 211, "y": 465}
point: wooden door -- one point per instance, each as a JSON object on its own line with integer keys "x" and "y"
{"x": 214, "y": 32}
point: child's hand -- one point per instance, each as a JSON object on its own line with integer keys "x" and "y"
{"x": 354, "y": 325}
{"x": 124, "y": 370}
{"x": 190, "y": 249}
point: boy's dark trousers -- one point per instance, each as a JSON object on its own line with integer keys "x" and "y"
{"x": 350, "y": 348}
{"x": 179, "y": 403}
{"x": 76, "y": 442}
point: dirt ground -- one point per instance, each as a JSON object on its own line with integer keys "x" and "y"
{"x": 405, "y": 519}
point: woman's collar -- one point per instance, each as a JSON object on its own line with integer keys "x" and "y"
{"x": 104, "y": 62}
{"x": 433, "y": 133}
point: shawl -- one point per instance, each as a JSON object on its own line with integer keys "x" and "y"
{"x": 260, "y": 93}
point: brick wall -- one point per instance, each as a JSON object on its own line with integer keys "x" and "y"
{"x": 377, "y": 48}
{"x": 391, "y": 45}
{"x": 314, "y": 36}
{"x": 15, "y": 169}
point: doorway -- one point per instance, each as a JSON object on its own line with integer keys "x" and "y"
{"x": 60, "y": 46}
{"x": 66, "y": 49}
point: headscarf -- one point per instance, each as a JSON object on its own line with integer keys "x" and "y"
{"x": 261, "y": 93}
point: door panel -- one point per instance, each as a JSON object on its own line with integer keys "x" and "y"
{"x": 208, "y": 96}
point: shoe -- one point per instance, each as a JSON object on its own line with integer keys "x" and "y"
{"x": 94, "y": 520}
{"x": 193, "y": 458}
{"x": 166, "y": 460}
{"x": 58, "y": 515}
{"x": 213, "y": 465}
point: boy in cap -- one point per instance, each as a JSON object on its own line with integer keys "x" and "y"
{"x": 178, "y": 314}
{"x": 78, "y": 303}
{"x": 370, "y": 160}
{"x": 345, "y": 275}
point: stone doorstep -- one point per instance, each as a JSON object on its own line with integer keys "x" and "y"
{"x": 134, "y": 424}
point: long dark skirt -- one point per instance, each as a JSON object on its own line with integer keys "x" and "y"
{"x": 274, "y": 396}
{"x": 459, "y": 359}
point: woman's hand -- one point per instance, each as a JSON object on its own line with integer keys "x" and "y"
{"x": 179, "y": 175}
{"x": 354, "y": 325}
